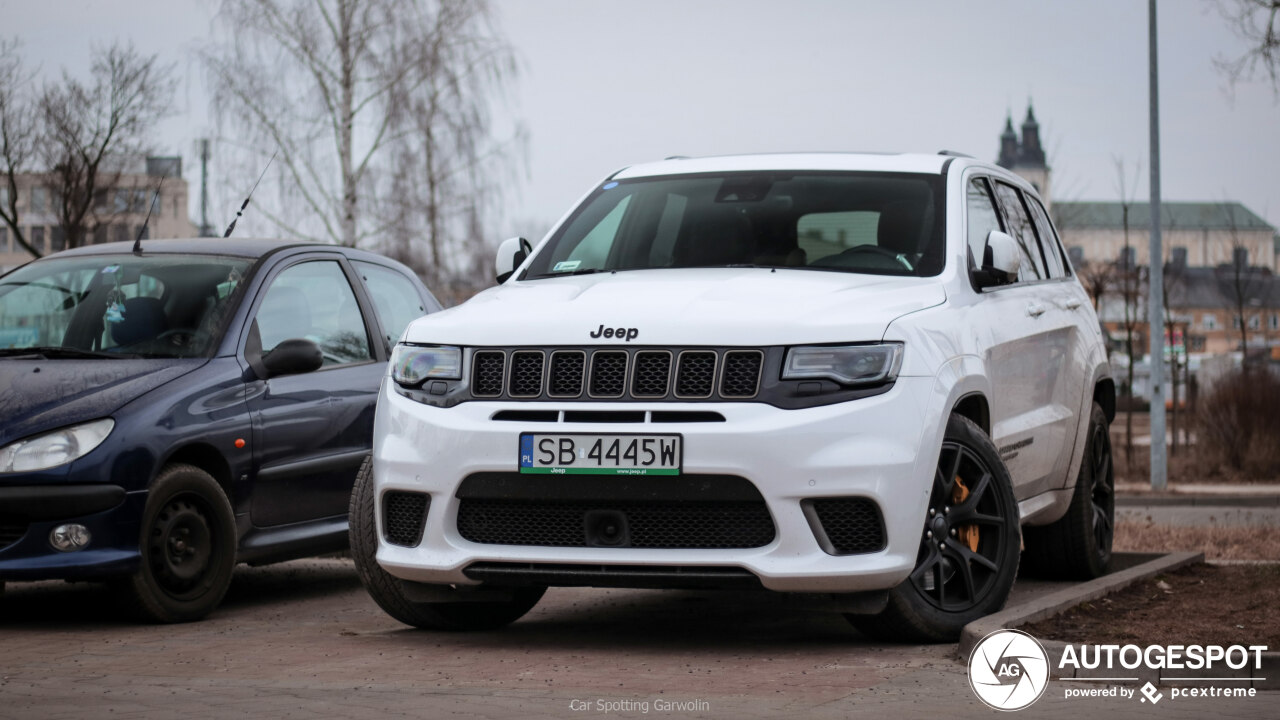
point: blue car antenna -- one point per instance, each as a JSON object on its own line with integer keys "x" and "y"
{"x": 137, "y": 244}
{"x": 232, "y": 226}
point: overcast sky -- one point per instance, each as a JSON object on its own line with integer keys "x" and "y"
{"x": 606, "y": 84}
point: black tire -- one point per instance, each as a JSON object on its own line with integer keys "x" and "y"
{"x": 188, "y": 545}
{"x": 390, "y": 593}
{"x": 954, "y": 584}
{"x": 1078, "y": 545}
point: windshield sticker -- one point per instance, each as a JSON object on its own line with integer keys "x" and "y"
{"x": 610, "y": 186}
{"x": 566, "y": 266}
{"x": 110, "y": 269}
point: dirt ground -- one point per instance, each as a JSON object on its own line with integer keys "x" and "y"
{"x": 1217, "y": 542}
{"x": 1199, "y": 604}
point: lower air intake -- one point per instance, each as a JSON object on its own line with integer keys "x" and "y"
{"x": 403, "y": 517}
{"x": 846, "y": 526}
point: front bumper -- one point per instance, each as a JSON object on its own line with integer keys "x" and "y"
{"x": 29, "y": 513}
{"x": 884, "y": 448}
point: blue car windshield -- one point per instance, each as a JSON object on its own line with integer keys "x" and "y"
{"x": 119, "y": 305}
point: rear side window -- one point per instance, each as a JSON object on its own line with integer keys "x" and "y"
{"x": 1048, "y": 240}
{"x": 1023, "y": 231}
{"x": 395, "y": 298}
{"x": 983, "y": 218}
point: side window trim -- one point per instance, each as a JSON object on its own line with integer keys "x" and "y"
{"x": 985, "y": 182}
{"x": 373, "y": 332}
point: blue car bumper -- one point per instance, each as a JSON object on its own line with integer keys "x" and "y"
{"x": 29, "y": 513}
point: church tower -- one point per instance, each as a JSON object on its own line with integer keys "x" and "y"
{"x": 1025, "y": 156}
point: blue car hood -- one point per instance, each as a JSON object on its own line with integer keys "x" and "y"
{"x": 41, "y": 395}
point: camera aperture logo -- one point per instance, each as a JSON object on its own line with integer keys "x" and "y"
{"x": 1008, "y": 670}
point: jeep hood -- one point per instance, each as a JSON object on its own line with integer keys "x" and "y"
{"x": 41, "y": 395}
{"x": 696, "y": 306}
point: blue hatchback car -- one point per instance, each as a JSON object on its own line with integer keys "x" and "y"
{"x": 169, "y": 413}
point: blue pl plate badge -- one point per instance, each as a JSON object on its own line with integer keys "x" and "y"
{"x": 526, "y": 451}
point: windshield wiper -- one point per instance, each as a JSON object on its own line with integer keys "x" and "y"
{"x": 53, "y": 353}
{"x": 571, "y": 273}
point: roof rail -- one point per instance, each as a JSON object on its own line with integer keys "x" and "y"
{"x": 676, "y": 157}
{"x": 953, "y": 153}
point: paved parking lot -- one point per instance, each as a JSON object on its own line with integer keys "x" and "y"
{"x": 303, "y": 640}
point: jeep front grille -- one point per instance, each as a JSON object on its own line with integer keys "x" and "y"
{"x": 488, "y": 369}
{"x": 617, "y": 374}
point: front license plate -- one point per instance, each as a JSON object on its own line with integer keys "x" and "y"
{"x": 600, "y": 454}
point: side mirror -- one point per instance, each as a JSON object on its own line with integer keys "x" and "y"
{"x": 1000, "y": 261}
{"x": 511, "y": 253}
{"x": 293, "y": 357}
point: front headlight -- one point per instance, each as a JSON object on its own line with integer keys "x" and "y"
{"x": 411, "y": 364}
{"x": 54, "y": 448}
{"x": 846, "y": 364}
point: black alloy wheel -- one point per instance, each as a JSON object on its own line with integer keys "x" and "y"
{"x": 1103, "y": 497}
{"x": 964, "y": 533}
{"x": 968, "y": 554}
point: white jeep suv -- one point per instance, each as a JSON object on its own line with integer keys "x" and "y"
{"x": 869, "y": 376}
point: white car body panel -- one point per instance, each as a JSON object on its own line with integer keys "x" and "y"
{"x": 1037, "y": 374}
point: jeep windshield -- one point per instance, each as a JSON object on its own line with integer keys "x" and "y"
{"x": 118, "y": 305}
{"x": 878, "y": 223}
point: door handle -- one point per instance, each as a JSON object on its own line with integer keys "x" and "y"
{"x": 1035, "y": 309}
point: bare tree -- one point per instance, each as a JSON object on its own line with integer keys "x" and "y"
{"x": 91, "y": 131}
{"x": 1257, "y": 22}
{"x": 1130, "y": 284}
{"x": 1244, "y": 284}
{"x": 379, "y": 110}
{"x": 1173, "y": 276}
{"x": 18, "y": 130}
{"x": 1097, "y": 276}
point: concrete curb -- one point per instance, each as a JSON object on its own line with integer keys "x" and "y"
{"x": 1050, "y": 605}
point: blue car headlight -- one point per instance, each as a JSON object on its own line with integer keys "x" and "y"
{"x": 55, "y": 448}
{"x": 412, "y": 364}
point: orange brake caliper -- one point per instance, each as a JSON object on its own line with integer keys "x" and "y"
{"x": 967, "y": 534}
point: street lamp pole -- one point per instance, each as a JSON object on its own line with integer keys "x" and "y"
{"x": 1155, "y": 299}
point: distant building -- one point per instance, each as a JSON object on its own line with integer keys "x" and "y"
{"x": 1196, "y": 234}
{"x": 118, "y": 213}
{"x": 1206, "y": 306}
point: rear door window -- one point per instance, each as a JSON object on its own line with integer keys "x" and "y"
{"x": 395, "y": 298}
{"x": 1031, "y": 267}
{"x": 1057, "y": 265}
